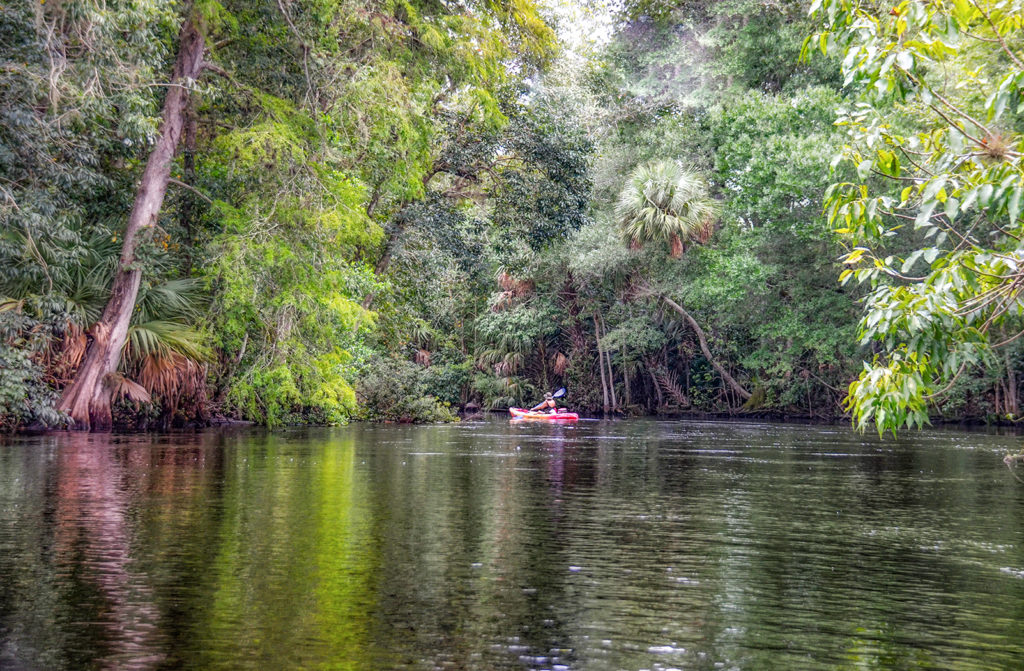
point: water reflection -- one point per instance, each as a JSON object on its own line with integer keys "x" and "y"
{"x": 494, "y": 546}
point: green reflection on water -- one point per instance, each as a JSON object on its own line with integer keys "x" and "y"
{"x": 604, "y": 546}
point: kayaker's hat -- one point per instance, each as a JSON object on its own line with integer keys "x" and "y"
{"x": 548, "y": 395}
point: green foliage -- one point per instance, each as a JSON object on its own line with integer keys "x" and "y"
{"x": 327, "y": 119}
{"x": 389, "y": 97}
{"x": 544, "y": 195}
{"x": 24, "y": 398}
{"x": 290, "y": 322}
{"x": 944, "y": 289}
{"x": 770, "y": 151}
{"x": 397, "y": 391}
{"x": 673, "y": 55}
{"x": 448, "y": 382}
{"x": 367, "y": 184}
{"x": 662, "y": 202}
{"x": 700, "y": 82}
{"x": 503, "y": 391}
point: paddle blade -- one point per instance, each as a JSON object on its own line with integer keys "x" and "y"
{"x": 559, "y": 394}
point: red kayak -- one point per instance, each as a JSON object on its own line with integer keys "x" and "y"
{"x": 520, "y": 413}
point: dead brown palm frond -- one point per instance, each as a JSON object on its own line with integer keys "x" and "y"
{"x": 671, "y": 387}
{"x": 423, "y": 357}
{"x": 522, "y": 288}
{"x": 505, "y": 281}
{"x": 704, "y": 232}
{"x": 514, "y": 286}
{"x": 560, "y": 364}
{"x": 509, "y": 364}
{"x": 66, "y": 353}
{"x": 165, "y": 373}
{"x": 502, "y": 301}
{"x": 676, "y": 247}
{"x": 122, "y": 387}
{"x": 11, "y": 305}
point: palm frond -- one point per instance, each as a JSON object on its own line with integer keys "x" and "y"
{"x": 85, "y": 295}
{"x": 662, "y": 202}
{"x": 178, "y": 299}
{"x": 671, "y": 387}
{"x": 171, "y": 376}
{"x": 122, "y": 387}
{"x": 161, "y": 338}
{"x": 10, "y": 305}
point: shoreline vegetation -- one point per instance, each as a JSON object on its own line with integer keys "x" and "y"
{"x": 305, "y": 212}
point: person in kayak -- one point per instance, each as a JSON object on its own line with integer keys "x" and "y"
{"x": 548, "y": 404}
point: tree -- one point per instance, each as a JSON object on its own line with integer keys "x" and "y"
{"x": 662, "y": 202}
{"x": 933, "y": 221}
{"x": 87, "y": 400}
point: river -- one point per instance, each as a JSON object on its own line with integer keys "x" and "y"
{"x": 598, "y": 546}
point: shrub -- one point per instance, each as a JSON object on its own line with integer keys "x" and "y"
{"x": 396, "y": 390}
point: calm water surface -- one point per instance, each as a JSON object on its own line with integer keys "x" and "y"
{"x": 600, "y": 546}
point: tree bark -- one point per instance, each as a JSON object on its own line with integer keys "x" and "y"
{"x": 87, "y": 400}
{"x": 398, "y": 228}
{"x": 611, "y": 371}
{"x": 1011, "y": 385}
{"x": 625, "y": 378}
{"x": 654, "y": 381}
{"x": 744, "y": 394}
{"x": 600, "y": 364}
{"x": 188, "y": 170}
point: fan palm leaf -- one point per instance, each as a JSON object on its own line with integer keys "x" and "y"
{"x": 171, "y": 299}
{"x": 662, "y": 202}
{"x": 162, "y": 338}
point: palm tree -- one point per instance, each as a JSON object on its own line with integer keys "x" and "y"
{"x": 163, "y": 352}
{"x": 663, "y": 202}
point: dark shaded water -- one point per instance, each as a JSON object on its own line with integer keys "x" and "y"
{"x": 627, "y": 545}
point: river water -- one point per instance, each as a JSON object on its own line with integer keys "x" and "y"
{"x": 496, "y": 545}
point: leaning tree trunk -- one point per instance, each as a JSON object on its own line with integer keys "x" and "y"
{"x": 87, "y": 400}
{"x": 704, "y": 348}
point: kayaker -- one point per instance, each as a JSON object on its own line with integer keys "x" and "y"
{"x": 547, "y": 404}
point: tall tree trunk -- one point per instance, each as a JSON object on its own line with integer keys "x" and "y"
{"x": 1011, "y": 385}
{"x": 397, "y": 229}
{"x": 600, "y": 363}
{"x": 743, "y": 393}
{"x": 654, "y": 380}
{"x": 625, "y": 377}
{"x": 384, "y": 262}
{"x": 87, "y": 400}
{"x": 188, "y": 174}
{"x": 611, "y": 372}
{"x": 543, "y": 364}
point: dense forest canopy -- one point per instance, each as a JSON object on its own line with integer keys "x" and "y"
{"x": 308, "y": 211}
